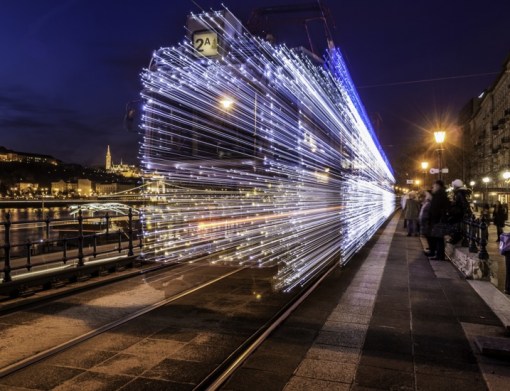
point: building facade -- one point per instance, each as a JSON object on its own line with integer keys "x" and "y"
{"x": 485, "y": 122}
{"x": 8, "y": 156}
{"x": 125, "y": 170}
{"x": 112, "y": 188}
{"x": 61, "y": 187}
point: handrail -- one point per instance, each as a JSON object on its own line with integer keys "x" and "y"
{"x": 113, "y": 241}
{"x": 475, "y": 234}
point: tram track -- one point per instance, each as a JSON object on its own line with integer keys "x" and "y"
{"x": 10, "y": 369}
{"x": 218, "y": 373}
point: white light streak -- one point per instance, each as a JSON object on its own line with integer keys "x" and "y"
{"x": 264, "y": 158}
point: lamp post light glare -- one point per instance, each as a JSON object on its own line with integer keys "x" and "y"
{"x": 226, "y": 103}
{"x": 440, "y": 136}
{"x": 506, "y": 175}
{"x": 472, "y": 183}
{"x": 486, "y": 180}
{"x": 424, "y": 166}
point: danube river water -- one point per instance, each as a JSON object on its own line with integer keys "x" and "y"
{"x": 22, "y": 232}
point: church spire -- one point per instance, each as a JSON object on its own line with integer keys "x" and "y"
{"x": 108, "y": 164}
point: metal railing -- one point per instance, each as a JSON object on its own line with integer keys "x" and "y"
{"x": 475, "y": 235}
{"x": 64, "y": 250}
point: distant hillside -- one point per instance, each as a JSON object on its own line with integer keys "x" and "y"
{"x": 44, "y": 174}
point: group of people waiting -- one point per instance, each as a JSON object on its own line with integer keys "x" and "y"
{"x": 434, "y": 215}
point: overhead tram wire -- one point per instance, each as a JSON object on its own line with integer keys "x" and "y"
{"x": 419, "y": 81}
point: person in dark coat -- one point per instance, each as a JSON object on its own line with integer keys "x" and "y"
{"x": 438, "y": 209}
{"x": 461, "y": 195}
{"x": 411, "y": 214}
{"x": 499, "y": 218}
{"x": 459, "y": 210}
{"x": 425, "y": 227}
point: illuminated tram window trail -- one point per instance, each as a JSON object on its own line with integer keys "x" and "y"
{"x": 263, "y": 156}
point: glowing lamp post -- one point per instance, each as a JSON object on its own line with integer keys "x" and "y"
{"x": 506, "y": 177}
{"x": 486, "y": 180}
{"x": 440, "y": 137}
{"x": 424, "y": 166}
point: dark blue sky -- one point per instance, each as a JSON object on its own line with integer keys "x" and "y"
{"x": 68, "y": 67}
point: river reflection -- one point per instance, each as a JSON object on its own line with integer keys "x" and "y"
{"x": 21, "y": 233}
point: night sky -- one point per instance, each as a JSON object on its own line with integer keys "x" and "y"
{"x": 69, "y": 67}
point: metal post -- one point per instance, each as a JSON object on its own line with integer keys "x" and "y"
{"x": 64, "y": 259}
{"x": 484, "y": 238}
{"x": 472, "y": 236}
{"x": 94, "y": 237}
{"x": 7, "y": 248}
{"x": 120, "y": 240}
{"x": 130, "y": 233}
{"x": 80, "y": 238}
{"x": 47, "y": 221}
{"x": 29, "y": 253}
{"x": 440, "y": 152}
{"x": 465, "y": 232}
{"x": 107, "y": 218}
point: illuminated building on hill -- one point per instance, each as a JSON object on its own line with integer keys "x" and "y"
{"x": 125, "y": 170}
{"x": 8, "y": 156}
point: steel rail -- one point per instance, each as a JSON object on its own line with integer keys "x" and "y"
{"x": 220, "y": 375}
{"x": 100, "y": 330}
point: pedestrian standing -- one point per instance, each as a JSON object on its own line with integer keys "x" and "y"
{"x": 425, "y": 226}
{"x": 403, "y": 202}
{"x": 459, "y": 209}
{"x": 499, "y": 217}
{"x": 439, "y": 206}
{"x": 411, "y": 214}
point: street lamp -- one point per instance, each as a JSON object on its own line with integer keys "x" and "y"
{"x": 440, "y": 136}
{"x": 424, "y": 166}
{"x": 506, "y": 177}
{"x": 472, "y": 183}
{"x": 486, "y": 180}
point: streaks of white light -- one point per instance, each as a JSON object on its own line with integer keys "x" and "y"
{"x": 288, "y": 174}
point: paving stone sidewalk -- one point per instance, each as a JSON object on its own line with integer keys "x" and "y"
{"x": 400, "y": 322}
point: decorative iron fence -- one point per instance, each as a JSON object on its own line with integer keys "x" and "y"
{"x": 475, "y": 235}
{"x": 79, "y": 238}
